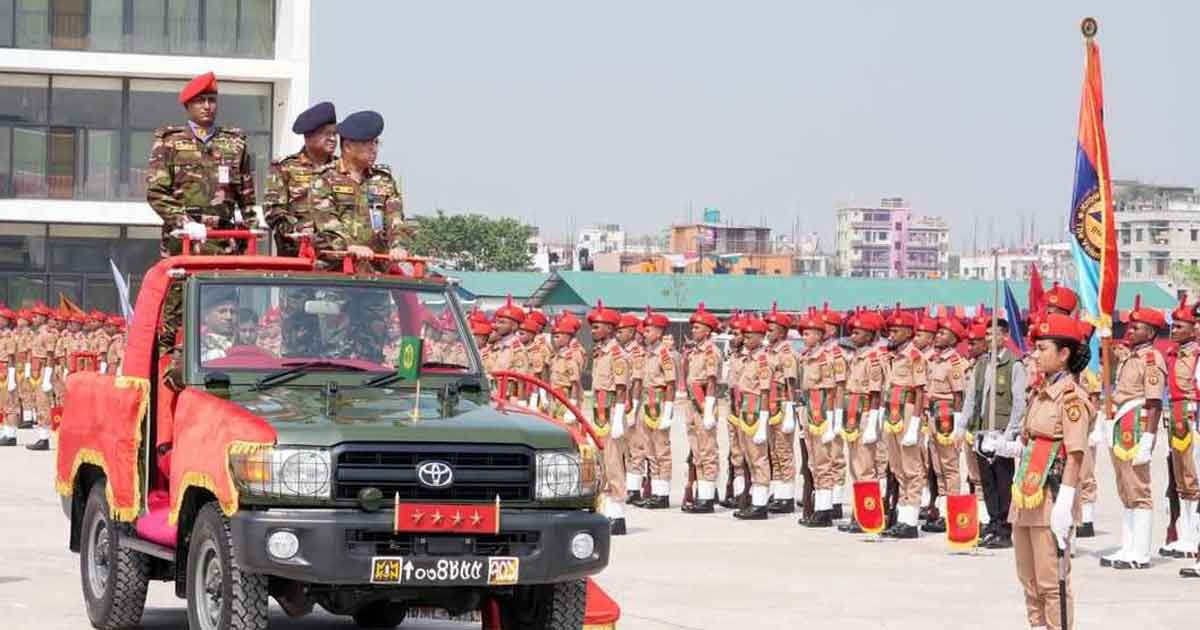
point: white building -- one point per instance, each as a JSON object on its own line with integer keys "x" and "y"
{"x": 1157, "y": 227}
{"x": 889, "y": 241}
{"x": 83, "y": 84}
{"x": 597, "y": 239}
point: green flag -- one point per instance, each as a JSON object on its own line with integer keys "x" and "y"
{"x": 408, "y": 361}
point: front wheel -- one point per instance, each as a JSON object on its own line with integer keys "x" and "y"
{"x": 114, "y": 578}
{"x": 220, "y": 595}
{"x": 545, "y": 607}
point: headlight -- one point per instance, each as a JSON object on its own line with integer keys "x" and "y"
{"x": 566, "y": 475}
{"x": 283, "y": 472}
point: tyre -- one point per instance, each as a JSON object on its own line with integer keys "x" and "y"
{"x": 546, "y": 607}
{"x": 220, "y": 596}
{"x": 380, "y": 614}
{"x": 114, "y": 579}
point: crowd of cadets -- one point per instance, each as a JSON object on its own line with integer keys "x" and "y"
{"x": 39, "y": 347}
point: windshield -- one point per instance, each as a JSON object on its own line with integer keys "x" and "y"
{"x": 271, "y": 327}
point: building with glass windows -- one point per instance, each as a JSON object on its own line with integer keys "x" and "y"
{"x": 83, "y": 85}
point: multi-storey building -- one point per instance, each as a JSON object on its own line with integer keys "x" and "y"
{"x": 1052, "y": 260}
{"x": 1158, "y": 227}
{"x": 83, "y": 85}
{"x": 888, "y": 241}
{"x": 597, "y": 239}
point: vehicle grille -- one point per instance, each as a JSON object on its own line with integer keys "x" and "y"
{"x": 374, "y": 543}
{"x": 481, "y": 473}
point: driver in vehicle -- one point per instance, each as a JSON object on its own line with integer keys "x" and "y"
{"x": 365, "y": 332}
{"x": 247, "y": 327}
{"x": 218, "y": 322}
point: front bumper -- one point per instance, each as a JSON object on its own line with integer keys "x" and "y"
{"x": 337, "y": 545}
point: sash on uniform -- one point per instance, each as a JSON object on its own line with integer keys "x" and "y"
{"x": 652, "y": 408}
{"x": 600, "y": 410}
{"x": 897, "y": 398}
{"x": 854, "y": 408}
{"x": 1028, "y": 489}
{"x": 943, "y": 422}
{"x": 816, "y": 407}
{"x": 1181, "y": 421}
{"x": 696, "y": 393}
{"x": 1127, "y": 432}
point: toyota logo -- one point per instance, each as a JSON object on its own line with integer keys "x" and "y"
{"x": 435, "y": 474}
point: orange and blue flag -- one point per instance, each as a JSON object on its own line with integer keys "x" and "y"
{"x": 1093, "y": 228}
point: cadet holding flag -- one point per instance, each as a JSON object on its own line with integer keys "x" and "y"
{"x": 902, "y": 422}
{"x": 864, "y": 383}
{"x": 947, "y": 425}
{"x": 1181, "y": 387}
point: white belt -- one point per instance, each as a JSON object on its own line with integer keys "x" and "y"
{"x": 1128, "y": 406}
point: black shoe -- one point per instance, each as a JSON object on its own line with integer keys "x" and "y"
{"x": 700, "y": 507}
{"x": 1085, "y": 530}
{"x": 1190, "y": 572}
{"x": 8, "y": 441}
{"x": 1124, "y": 565}
{"x": 851, "y": 528}
{"x": 1105, "y": 562}
{"x": 752, "y": 513}
{"x": 821, "y": 518}
{"x": 905, "y": 531}
{"x": 924, "y": 513}
{"x": 998, "y": 541}
{"x": 633, "y": 497}
{"x": 40, "y": 445}
{"x": 616, "y": 527}
{"x": 935, "y": 527}
{"x": 782, "y": 506}
{"x": 656, "y": 502}
{"x": 729, "y": 502}
{"x": 26, "y": 425}
{"x": 1167, "y": 553}
{"x": 837, "y": 513}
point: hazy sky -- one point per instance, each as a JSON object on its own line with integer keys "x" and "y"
{"x": 629, "y": 111}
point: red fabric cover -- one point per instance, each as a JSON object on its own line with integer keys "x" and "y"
{"x": 600, "y": 608}
{"x": 868, "y": 507}
{"x": 101, "y": 425}
{"x": 962, "y": 521}
{"x": 205, "y": 427}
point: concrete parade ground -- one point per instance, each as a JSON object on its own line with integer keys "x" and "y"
{"x": 681, "y": 571}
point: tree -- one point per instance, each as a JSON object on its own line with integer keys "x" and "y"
{"x": 473, "y": 242}
{"x": 1186, "y": 275}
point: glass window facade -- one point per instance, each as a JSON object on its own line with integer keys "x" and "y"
{"x": 40, "y": 262}
{"x": 79, "y": 137}
{"x": 218, "y": 28}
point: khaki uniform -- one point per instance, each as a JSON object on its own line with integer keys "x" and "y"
{"x": 564, "y": 374}
{"x": 840, "y": 362}
{"x": 864, "y": 381}
{"x": 487, "y": 354}
{"x": 947, "y": 372}
{"x": 9, "y": 401}
{"x": 25, "y": 388}
{"x": 907, "y": 374}
{"x": 754, "y": 379}
{"x": 783, "y": 366}
{"x": 1087, "y": 475}
{"x": 658, "y": 387}
{"x": 1059, "y": 410}
{"x": 42, "y": 351}
{"x": 817, "y": 381}
{"x": 1181, "y": 372}
{"x": 635, "y": 436}
{"x": 1141, "y": 375}
{"x": 737, "y": 458}
{"x": 115, "y": 355}
{"x": 610, "y": 369}
{"x": 509, "y": 354}
{"x": 703, "y": 362}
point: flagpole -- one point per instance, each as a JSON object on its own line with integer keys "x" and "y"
{"x": 992, "y": 360}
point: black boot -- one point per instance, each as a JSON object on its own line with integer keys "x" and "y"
{"x": 729, "y": 502}
{"x": 656, "y": 502}
{"x": 633, "y": 497}
{"x": 821, "y": 518}
{"x": 700, "y": 507}
{"x": 1085, "y": 530}
{"x": 752, "y": 513}
{"x": 8, "y": 441}
{"x": 617, "y": 526}
{"x": 781, "y": 506}
{"x": 40, "y": 445}
{"x": 851, "y": 528}
{"x": 837, "y": 513}
{"x": 26, "y": 424}
{"x": 935, "y": 526}
{"x": 1000, "y": 539}
{"x": 903, "y": 531}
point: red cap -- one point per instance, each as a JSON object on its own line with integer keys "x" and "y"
{"x": 754, "y": 325}
{"x": 529, "y": 324}
{"x": 867, "y": 320}
{"x": 116, "y": 321}
{"x": 902, "y": 319}
{"x": 1151, "y": 316}
{"x": 777, "y": 317}
{"x": 79, "y": 318}
{"x": 977, "y": 332}
{"x": 97, "y": 316}
{"x": 24, "y": 314}
{"x": 953, "y": 325}
{"x": 1058, "y": 326}
{"x": 1183, "y": 313}
{"x": 42, "y": 309}
{"x": 657, "y": 320}
{"x": 833, "y": 318}
{"x": 629, "y": 320}
{"x": 1086, "y": 329}
{"x": 811, "y": 321}
{"x": 702, "y": 316}
{"x": 7, "y": 313}
{"x": 202, "y": 84}
{"x": 601, "y": 315}
{"x": 481, "y": 327}
{"x": 538, "y": 317}
{"x": 511, "y": 311}
{"x": 1062, "y": 297}
{"x": 566, "y": 323}
{"x": 927, "y": 324}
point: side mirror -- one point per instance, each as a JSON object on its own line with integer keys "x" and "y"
{"x": 217, "y": 383}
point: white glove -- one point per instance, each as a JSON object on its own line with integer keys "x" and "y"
{"x": 828, "y": 433}
{"x": 195, "y": 231}
{"x": 1010, "y": 448}
{"x": 1096, "y": 437}
{"x": 710, "y": 420}
{"x": 542, "y": 398}
{"x": 668, "y": 415}
{"x": 633, "y": 416}
{"x": 839, "y": 416}
{"x": 1145, "y": 449}
{"x": 911, "y": 432}
{"x": 870, "y": 432}
{"x": 533, "y": 400}
{"x": 987, "y": 442}
{"x": 618, "y": 421}
{"x": 119, "y": 371}
{"x": 958, "y": 434}
{"x": 760, "y": 433}
{"x": 104, "y": 367}
{"x": 802, "y": 419}
{"x": 789, "y": 417}
{"x": 568, "y": 417}
{"x": 12, "y": 378}
{"x": 47, "y": 374}
{"x": 1061, "y": 518}
{"x": 960, "y": 423}
{"x": 28, "y": 371}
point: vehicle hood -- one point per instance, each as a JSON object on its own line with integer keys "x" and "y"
{"x": 308, "y": 416}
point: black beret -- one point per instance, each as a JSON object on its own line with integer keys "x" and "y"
{"x": 364, "y": 125}
{"x": 312, "y": 118}
{"x": 214, "y": 295}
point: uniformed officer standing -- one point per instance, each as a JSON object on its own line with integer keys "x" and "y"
{"x": 537, "y": 354}
{"x": 610, "y": 382}
{"x": 509, "y": 351}
{"x": 288, "y": 181}
{"x": 354, "y": 204}
{"x": 840, "y": 363}
{"x": 1044, "y": 504}
{"x": 1181, "y": 387}
{"x": 8, "y": 377}
{"x": 702, "y": 366}
{"x": 658, "y": 408}
{"x": 780, "y": 403}
{"x": 923, "y": 341}
{"x": 481, "y": 328}
{"x": 817, "y": 382}
{"x": 1140, "y": 384}
{"x": 42, "y": 376}
{"x": 24, "y": 334}
{"x": 907, "y": 379}
{"x": 565, "y": 371}
{"x": 947, "y": 424}
{"x": 738, "y": 490}
{"x": 635, "y": 356}
{"x": 864, "y": 384}
{"x": 754, "y": 384}
{"x": 115, "y": 356}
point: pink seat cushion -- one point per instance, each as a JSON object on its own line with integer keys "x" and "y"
{"x": 153, "y": 525}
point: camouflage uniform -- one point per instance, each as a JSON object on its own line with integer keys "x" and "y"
{"x": 286, "y": 195}
{"x": 343, "y": 212}
{"x": 191, "y": 178}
